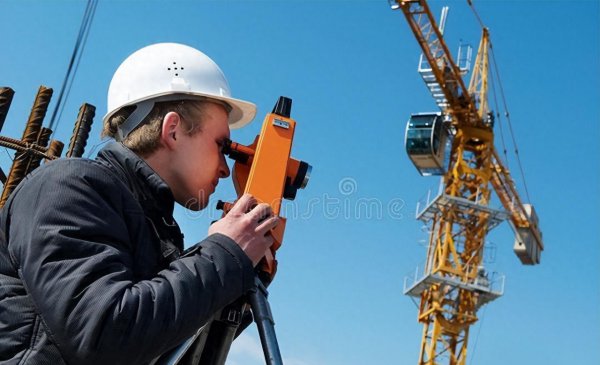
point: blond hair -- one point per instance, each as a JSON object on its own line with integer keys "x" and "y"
{"x": 145, "y": 139}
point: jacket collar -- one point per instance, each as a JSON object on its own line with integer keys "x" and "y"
{"x": 149, "y": 189}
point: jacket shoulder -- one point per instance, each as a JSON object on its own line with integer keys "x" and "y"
{"x": 75, "y": 168}
{"x": 72, "y": 171}
{"x": 74, "y": 180}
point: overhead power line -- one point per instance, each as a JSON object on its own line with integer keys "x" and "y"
{"x": 84, "y": 29}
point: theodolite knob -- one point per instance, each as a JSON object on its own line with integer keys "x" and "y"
{"x": 283, "y": 107}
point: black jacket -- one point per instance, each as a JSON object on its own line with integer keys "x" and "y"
{"x": 90, "y": 271}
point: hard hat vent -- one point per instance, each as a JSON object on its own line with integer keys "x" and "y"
{"x": 175, "y": 68}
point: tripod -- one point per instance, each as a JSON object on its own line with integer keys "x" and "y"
{"x": 211, "y": 344}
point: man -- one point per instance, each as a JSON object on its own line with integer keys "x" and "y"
{"x": 91, "y": 265}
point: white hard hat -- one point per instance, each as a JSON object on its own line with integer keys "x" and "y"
{"x": 166, "y": 72}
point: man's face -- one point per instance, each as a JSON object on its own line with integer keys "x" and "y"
{"x": 198, "y": 161}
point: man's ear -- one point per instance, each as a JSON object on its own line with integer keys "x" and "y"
{"x": 170, "y": 129}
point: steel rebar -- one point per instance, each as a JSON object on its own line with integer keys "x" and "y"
{"x": 55, "y": 149}
{"x": 42, "y": 141}
{"x": 6, "y": 96}
{"x": 83, "y": 125}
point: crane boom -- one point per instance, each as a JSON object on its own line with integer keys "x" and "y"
{"x": 454, "y": 283}
{"x": 446, "y": 72}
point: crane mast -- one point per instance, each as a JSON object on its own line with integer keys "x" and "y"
{"x": 454, "y": 284}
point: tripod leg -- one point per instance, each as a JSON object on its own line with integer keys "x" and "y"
{"x": 211, "y": 344}
{"x": 265, "y": 323}
{"x": 176, "y": 356}
{"x": 221, "y": 335}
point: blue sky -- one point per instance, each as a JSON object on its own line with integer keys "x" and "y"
{"x": 350, "y": 68}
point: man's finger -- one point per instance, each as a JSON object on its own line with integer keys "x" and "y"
{"x": 270, "y": 241}
{"x": 267, "y": 225}
{"x": 243, "y": 204}
{"x": 260, "y": 212}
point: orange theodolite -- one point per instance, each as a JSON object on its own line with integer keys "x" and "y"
{"x": 265, "y": 170}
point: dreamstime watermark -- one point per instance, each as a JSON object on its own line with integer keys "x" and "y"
{"x": 346, "y": 204}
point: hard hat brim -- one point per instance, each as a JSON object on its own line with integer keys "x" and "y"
{"x": 242, "y": 112}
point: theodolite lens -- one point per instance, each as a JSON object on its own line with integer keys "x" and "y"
{"x": 302, "y": 175}
{"x": 306, "y": 176}
{"x": 296, "y": 179}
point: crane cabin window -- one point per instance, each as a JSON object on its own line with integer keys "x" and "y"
{"x": 426, "y": 143}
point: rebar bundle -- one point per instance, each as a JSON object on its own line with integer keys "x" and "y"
{"x": 36, "y": 145}
{"x": 31, "y": 135}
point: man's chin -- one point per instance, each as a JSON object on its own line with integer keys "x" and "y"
{"x": 195, "y": 204}
{"x": 199, "y": 206}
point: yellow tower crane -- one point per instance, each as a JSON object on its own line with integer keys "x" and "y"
{"x": 458, "y": 144}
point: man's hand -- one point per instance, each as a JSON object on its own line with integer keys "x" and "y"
{"x": 248, "y": 224}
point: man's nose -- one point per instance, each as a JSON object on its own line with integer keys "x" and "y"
{"x": 224, "y": 169}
